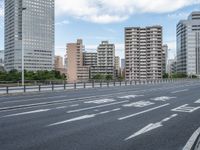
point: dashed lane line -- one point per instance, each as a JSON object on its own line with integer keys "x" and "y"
{"x": 142, "y": 112}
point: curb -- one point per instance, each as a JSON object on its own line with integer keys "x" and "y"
{"x": 194, "y": 141}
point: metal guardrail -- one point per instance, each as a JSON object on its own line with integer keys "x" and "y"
{"x": 83, "y": 85}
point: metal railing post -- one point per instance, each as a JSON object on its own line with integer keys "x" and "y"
{"x": 92, "y": 84}
{"x": 64, "y": 86}
{"x": 74, "y": 85}
{"x": 84, "y": 85}
{"x": 24, "y": 88}
{"x": 7, "y": 89}
{"x": 39, "y": 88}
{"x": 52, "y": 87}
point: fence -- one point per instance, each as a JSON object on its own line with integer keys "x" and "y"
{"x": 83, "y": 85}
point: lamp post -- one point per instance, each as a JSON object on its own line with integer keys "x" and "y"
{"x": 23, "y": 9}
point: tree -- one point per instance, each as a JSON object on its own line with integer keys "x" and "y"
{"x": 98, "y": 77}
{"x": 109, "y": 77}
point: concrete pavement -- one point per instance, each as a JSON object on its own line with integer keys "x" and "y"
{"x": 140, "y": 117}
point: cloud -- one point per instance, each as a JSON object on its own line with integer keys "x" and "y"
{"x": 64, "y": 22}
{"x": 112, "y": 11}
{"x": 180, "y": 15}
{"x": 1, "y": 8}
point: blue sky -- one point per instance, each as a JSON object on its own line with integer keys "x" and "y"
{"x": 97, "y": 20}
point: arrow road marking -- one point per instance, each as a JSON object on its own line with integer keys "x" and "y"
{"x": 150, "y": 127}
{"x": 198, "y": 101}
{"x": 186, "y": 108}
{"x": 84, "y": 117}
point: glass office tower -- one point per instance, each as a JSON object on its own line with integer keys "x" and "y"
{"x": 29, "y": 24}
{"x": 188, "y": 45}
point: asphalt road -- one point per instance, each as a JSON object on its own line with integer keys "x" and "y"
{"x": 139, "y": 117}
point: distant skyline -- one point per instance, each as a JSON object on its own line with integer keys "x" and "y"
{"x": 94, "y": 21}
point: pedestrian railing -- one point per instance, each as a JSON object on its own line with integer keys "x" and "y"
{"x": 83, "y": 85}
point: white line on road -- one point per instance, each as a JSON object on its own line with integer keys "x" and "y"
{"x": 150, "y": 127}
{"x": 26, "y": 113}
{"x": 142, "y": 112}
{"x": 83, "y": 117}
{"x": 179, "y": 91}
{"x": 106, "y": 112}
{"x": 100, "y": 106}
{"x": 73, "y": 119}
{"x": 34, "y": 105}
{"x": 192, "y": 140}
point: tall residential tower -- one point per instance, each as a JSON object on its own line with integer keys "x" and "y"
{"x": 29, "y": 24}
{"x": 143, "y": 53}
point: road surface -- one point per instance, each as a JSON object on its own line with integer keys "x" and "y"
{"x": 140, "y": 117}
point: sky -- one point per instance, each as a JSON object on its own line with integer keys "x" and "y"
{"x": 97, "y": 20}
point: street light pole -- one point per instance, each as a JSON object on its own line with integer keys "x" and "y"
{"x": 23, "y": 9}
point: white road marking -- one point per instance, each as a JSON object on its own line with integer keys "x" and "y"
{"x": 75, "y": 105}
{"x": 100, "y": 106}
{"x": 185, "y": 108}
{"x": 26, "y": 113}
{"x": 73, "y": 119}
{"x": 142, "y": 112}
{"x": 34, "y": 105}
{"x": 198, "y": 101}
{"x": 150, "y": 127}
{"x": 192, "y": 140}
{"x": 179, "y": 91}
{"x": 130, "y": 96}
{"x": 83, "y": 117}
{"x": 100, "y": 101}
{"x": 139, "y": 104}
{"x": 162, "y": 98}
{"x": 106, "y": 112}
{"x": 61, "y": 107}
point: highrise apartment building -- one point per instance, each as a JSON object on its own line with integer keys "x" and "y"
{"x": 89, "y": 59}
{"x": 117, "y": 63}
{"x": 143, "y": 53}
{"x": 29, "y": 24}
{"x": 165, "y": 58}
{"x": 58, "y": 62}
{"x": 105, "y": 60}
{"x": 2, "y": 58}
{"x": 75, "y": 69}
{"x": 188, "y": 45}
